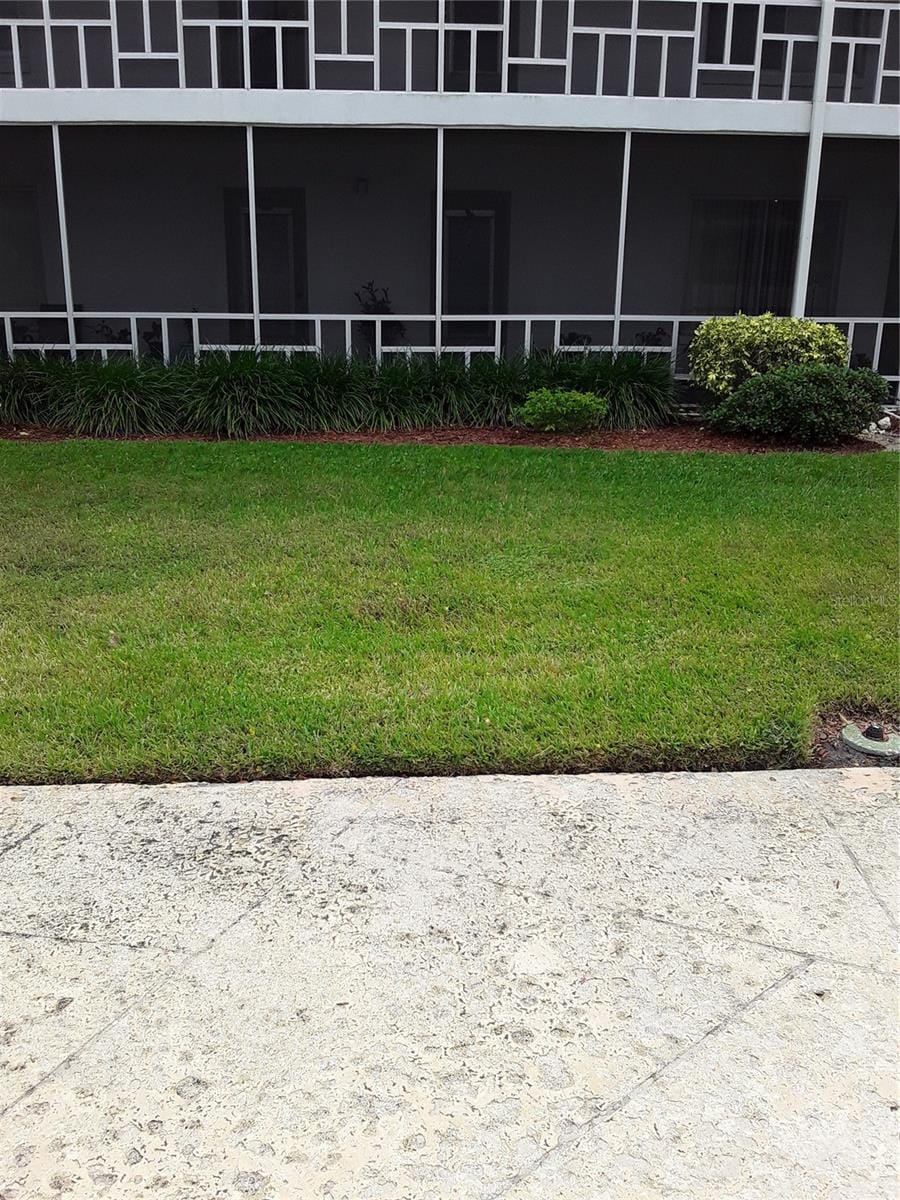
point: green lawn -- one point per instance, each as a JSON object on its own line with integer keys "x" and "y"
{"x": 238, "y": 610}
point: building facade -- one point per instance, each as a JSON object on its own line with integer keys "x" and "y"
{"x": 464, "y": 176}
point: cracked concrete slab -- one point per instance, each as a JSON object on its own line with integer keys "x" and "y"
{"x": 55, "y": 995}
{"x": 445, "y": 1033}
{"x": 749, "y": 855}
{"x": 580, "y": 987}
{"x": 144, "y": 870}
{"x": 795, "y": 1096}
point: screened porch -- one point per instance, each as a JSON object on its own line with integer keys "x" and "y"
{"x": 174, "y": 240}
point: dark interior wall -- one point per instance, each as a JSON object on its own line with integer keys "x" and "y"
{"x": 564, "y": 194}
{"x": 146, "y": 219}
{"x": 31, "y": 276}
{"x": 668, "y": 173}
{"x": 859, "y": 175}
{"x": 369, "y": 199}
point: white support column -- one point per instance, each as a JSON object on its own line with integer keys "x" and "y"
{"x": 251, "y": 215}
{"x": 179, "y": 38}
{"x": 620, "y": 250}
{"x": 441, "y": 82}
{"x": 63, "y": 239}
{"x": 114, "y": 33}
{"x": 245, "y": 41}
{"x": 439, "y": 238}
{"x": 504, "y": 50}
{"x": 813, "y": 160}
{"x": 48, "y": 44}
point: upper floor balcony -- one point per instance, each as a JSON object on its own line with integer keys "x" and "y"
{"x": 662, "y": 49}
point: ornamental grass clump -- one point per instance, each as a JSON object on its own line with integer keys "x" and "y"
{"x": 23, "y": 383}
{"x": 725, "y": 351}
{"x": 639, "y": 388}
{"x": 124, "y": 397}
{"x": 259, "y": 393}
{"x": 241, "y": 395}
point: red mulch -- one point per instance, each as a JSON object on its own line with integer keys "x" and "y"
{"x": 670, "y": 437}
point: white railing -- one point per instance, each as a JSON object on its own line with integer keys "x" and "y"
{"x": 682, "y": 48}
{"x": 874, "y": 341}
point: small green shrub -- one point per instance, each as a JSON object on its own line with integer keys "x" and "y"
{"x": 552, "y": 410}
{"x": 868, "y": 383}
{"x": 814, "y": 405}
{"x": 725, "y": 351}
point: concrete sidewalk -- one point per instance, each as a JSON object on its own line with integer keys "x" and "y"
{"x": 571, "y": 988}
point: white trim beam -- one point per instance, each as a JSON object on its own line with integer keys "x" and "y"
{"x": 161, "y": 106}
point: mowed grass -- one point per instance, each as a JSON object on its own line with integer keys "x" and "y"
{"x": 172, "y": 610}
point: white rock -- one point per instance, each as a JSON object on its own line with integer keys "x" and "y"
{"x": 872, "y": 428}
{"x": 884, "y": 423}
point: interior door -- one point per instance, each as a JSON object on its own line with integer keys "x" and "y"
{"x": 469, "y": 241}
{"x": 476, "y": 263}
{"x": 280, "y": 251}
{"x": 275, "y": 249}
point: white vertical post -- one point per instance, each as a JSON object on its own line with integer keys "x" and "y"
{"x": 63, "y": 239}
{"x": 439, "y": 239}
{"x": 729, "y": 26}
{"x": 879, "y": 333}
{"x": 620, "y": 249}
{"x": 504, "y": 53}
{"x": 695, "y": 53}
{"x": 82, "y": 58}
{"x": 570, "y": 20}
{"x": 376, "y": 48}
{"x": 632, "y": 47}
{"x": 16, "y": 55}
{"x": 146, "y": 22}
{"x": 311, "y": 44}
{"x": 251, "y": 221}
{"x": 179, "y": 40}
{"x": 441, "y": 39}
{"x": 757, "y": 55}
{"x": 114, "y": 35}
{"x": 245, "y": 40}
{"x": 882, "y": 51}
{"x": 813, "y": 160}
{"x": 48, "y": 44}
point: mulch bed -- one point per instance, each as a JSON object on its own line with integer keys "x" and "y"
{"x": 669, "y": 437}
